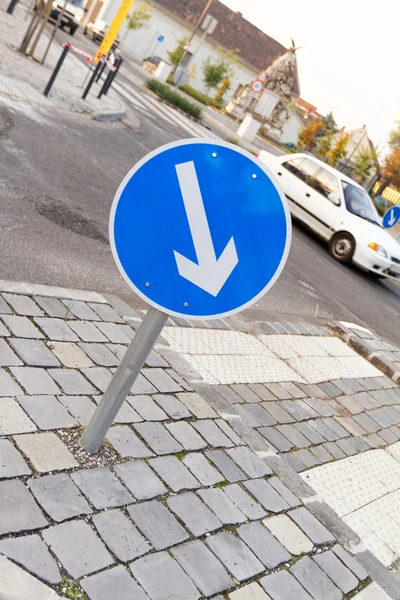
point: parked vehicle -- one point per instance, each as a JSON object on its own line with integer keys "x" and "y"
{"x": 97, "y": 31}
{"x": 150, "y": 63}
{"x": 338, "y": 209}
{"x": 72, "y": 15}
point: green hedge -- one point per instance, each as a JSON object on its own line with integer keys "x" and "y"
{"x": 164, "y": 91}
{"x": 199, "y": 96}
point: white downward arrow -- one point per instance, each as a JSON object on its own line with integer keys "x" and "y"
{"x": 392, "y": 218}
{"x": 209, "y": 274}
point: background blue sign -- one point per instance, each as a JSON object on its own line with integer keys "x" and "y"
{"x": 199, "y": 229}
{"x": 392, "y": 216}
{"x": 160, "y": 38}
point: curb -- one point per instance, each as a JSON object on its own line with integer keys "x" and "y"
{"x": 109, "y": 115}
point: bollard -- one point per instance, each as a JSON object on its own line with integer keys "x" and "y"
{"x": 106, "y": 84}
{"x": 91, "y": 80}
{"x": 104, "y": 64}
{"x": 11, "y": 6}
{"x": 56, "y": 69}
{"x": 118, "y": 62}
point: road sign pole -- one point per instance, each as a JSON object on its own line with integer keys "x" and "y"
{"x": 123, "y": 380}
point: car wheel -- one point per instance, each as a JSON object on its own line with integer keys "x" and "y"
{"x": 72, "y": 29}
{"x": 342, "y": 247}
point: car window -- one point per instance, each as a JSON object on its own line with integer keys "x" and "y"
{"x": 359, "y": 203}
{"x": 326, "y": 183}
{"x": 310, "y": 170}
{"x": 295, "y": 167}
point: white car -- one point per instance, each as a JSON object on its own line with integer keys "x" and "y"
{"x": 338, "y": 209}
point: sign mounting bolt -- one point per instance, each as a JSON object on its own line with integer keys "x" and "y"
{"x": 147, "y": 284}
{"x": 185, "y": 304}
{"x": 214, "y": 154}
{"x": 254, "y": 176}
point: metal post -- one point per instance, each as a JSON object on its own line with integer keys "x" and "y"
{"x": 91, "y": 80}
{"x": 118, "y": 62}
{"x": 57, "y": 68}
{"x": 106, "y": 84}
{"x": 53, "y": 33}
{"x": 11, "y": 6}
{"x": 123, "y": 379}
{"x": 104, "y": 64}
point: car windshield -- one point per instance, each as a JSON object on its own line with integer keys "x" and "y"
{"x": 359, "y": 203}
{"x": 77, "y": 3}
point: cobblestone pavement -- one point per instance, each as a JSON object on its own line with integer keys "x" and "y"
{"x": 194, "y": 493}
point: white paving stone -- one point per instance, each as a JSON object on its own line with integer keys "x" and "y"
{"x": 370, "y": 540}
{"x": 394, "y": 450}
{"x": 18, "y": 584}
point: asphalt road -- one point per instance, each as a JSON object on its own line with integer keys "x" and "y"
{"x": 58, "y": 176}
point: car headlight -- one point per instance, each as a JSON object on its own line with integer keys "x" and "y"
{"x": 378, "y": 249}
{"x": 78, "y": 17}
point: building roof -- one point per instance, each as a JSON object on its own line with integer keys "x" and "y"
{"x": 232, "y": 31}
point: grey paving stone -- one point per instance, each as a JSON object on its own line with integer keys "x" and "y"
{"x": 88, "y": 332}
{"x": 72, "y": 382}
{"x": 202, "y": 567}
{"x": 309, "y": 433}
{"x": 59, "y": 497}
{"x": 197, "y": 406}
{"x": 235, "y": 555}
{"x": 106, "y": 312}
{"x": 163, "y": 578}
{"x": 172, "y": 406}
{"x": 288, "y": 534}
{"x": 260, "y": 415}
{"x": 155, "y": 360}
{"x": 186, "y": 435}
{"x": 262, "y": 391}
{"x": 126, "y": 442}
{"x": 252, "y": 591}
{"x": 174, "y": 473}
{"x": 375, "y": 441}
{"x": 8, "y": 358}
{"x": 264, "y": 545}
{"x": 18, "y": 509}
{"x": 56, "y": 329}
{"x": 227, "y": 429}
{"x": 278, "y": 412}
{"x": 13, "y": 420}
{"x": 283, "y": 586}
{"x": 350, "y": 404}
{"x": 147, "y": 408}
{"x": 99, "y": 354}
{"x": 35, "y": 380}
{"x": 140, "y": 479}
{"x": 306, "y": 457}
{"x": 99, "y": 376}
{"x": 249, "y": 462}
{"x": 266, "y": 495}
{"x": 4, "y": 308}
{"x": 70, "y": 355}
{"x": 335, "y": 427}
{"x": 330, "y": 389}
{"x": 324, "y": 430}
{"x": 31, "y": 552}
{"x": 54, "y": 307}
{"x": 81, "y": 310}
{"x": 226, "y": 465}
{"x": 80, "y": 407}
{"x": 21, "y": 327}
{"x": 340, "y": 575}
{"x": 276, "y": 438}
{"x": 78, "y": 548}
{"x": 383, "y": 417}
{"x": 161, "y": 380}
{"x": 120, "y": 535}
{"x": 142, "y": 386}
{"x": 334, "y": 449}
{"x": 157, "y": 524}
{"x": 293, "y": 462}
{"x": 229, "y": 394}
{"x": 222, "y": 506}
{"x": 359, "y": 443}
{"x": 365, "y": 399}
{"x": 387, "y": 435}
{"x": 101, "y": 488}
{"x": 299, "y": 409}
{"x": 351, "y": 426}
{"x": 242, "y": 413}
{"x": 346, "y": 447}
{"x": 293, "y": 389}
{"x": 212, "y": 433}
{"x": 350, "y": 562}
{"x": 278, "y": 391}
{"x": 317, "y": 532}
{"x": 11, "y": 462}
{"x": 197, "y": 517}
{"x": 294, "y": 436}
{"x": 47, "y": 412}
{"x": 34, "y": 352}
{"x": 46, "y": 451}
{"x": 113, "y": 583}
{"x": 3, "y": 330}
{"x": 23, "y": 305}
{"x": 322, "y": 454}
{"x": 314, "y": 580}
{"x": 322, "y": 407}
{"x": 252, "y": 509}
{"x": 245, "y": 392}
{"x": 201, "y": 468}
{"x": 284, "y": 491}
{"x": 158, "y": 438}
{"x": 372, "y": 592}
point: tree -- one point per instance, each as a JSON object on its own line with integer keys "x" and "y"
{"x": 390, "y": 171}
{"x": 394, "y": 137}
{"x": 338, "y": 151}
{"x": 215, "y": 70}
{"x": 324, "y": 145}
{"x": 223, "y": 88}
{"x": 329, "y": 123}
{"x": 306, "y": 139}
{"x": 137, "y": 19}
{"x": 364, "y": 162}
{"x": 176, "y": 55}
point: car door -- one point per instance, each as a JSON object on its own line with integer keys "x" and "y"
{"x": 323, "y": 199}
{"x": 294, "y": 176}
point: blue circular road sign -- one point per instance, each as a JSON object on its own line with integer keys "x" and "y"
{"x": 200, "y": 229}
{"x": 391, "y": 217}
{"x": 160, "y": 38}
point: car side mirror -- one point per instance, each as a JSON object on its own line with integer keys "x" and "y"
{"x": 334, "y": 199}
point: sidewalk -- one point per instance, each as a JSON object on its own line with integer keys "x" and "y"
{"x": 202, "y": 487}
{"x": 24, "y": 80}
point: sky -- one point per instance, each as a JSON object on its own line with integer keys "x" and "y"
{"x": 348, "y": 57}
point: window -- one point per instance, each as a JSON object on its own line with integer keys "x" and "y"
{"x": 359, "y": 203}
{"x": 327, "y": 183}
{"x": 295, "y": 167}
